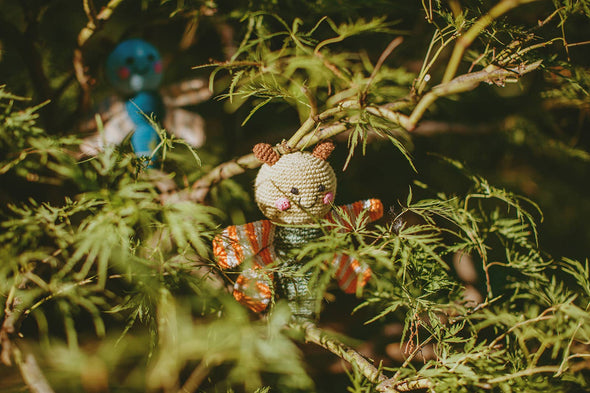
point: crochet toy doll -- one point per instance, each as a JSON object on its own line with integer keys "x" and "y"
{"x": 134, "y": 68}
{"x": 293, "y": 191}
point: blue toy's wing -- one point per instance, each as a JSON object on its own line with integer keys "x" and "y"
{"x": 186, "y": 125}
{"x": 107, "y": 109}
{"x": 182, "y": 123}
{"x": 114, "y": 131}
{"x": 189, "y": 92}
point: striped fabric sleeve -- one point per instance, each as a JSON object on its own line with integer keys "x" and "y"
{"x": 350, "y": 273}
{"x": 253, "y": 289}
{"x": 346, "y": 214}
{"x": 238, "y": 243}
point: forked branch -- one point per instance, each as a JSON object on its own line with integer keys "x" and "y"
{"x": 320, "y": 127}
{"x": 317, "y": 336}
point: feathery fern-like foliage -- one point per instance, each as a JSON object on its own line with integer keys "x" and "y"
{"x": 109, "y": 284}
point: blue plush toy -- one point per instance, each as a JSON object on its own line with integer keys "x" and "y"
{"x": 134, "y": 68}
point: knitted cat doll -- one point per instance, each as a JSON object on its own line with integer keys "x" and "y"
{"x": 294, "y": 191}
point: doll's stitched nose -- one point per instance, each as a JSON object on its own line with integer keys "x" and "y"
{"x": 282, "y": 204}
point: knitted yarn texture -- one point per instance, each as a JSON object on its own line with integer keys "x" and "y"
{"x": 301, "y": 179}
{"x": 295, "y": 191}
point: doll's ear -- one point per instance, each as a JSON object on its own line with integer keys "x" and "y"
{"x": 323, "y": 150}
{"x": 265, "y": 153}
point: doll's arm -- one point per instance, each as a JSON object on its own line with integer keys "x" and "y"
{"x": 238, "y": 243}
{"x": 253, "y": 288}
{"x": 350, "y": 273}
{"x": 347, "y": 214}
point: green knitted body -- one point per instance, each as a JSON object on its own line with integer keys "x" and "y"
{"x": 291, "y": 284}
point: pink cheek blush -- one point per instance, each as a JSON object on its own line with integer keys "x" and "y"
{"x": 328, "y": 198}
{"x": 123, "y": 73}
{"x": 158, "y": 67}
{"x": 282, "y": 204}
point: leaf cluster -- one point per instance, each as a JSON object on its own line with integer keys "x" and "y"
{"x": 114, "y": 258}
{"x": 112, "y": 289}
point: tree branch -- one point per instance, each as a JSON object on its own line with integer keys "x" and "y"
{"x": 309, "y": 132}
{"x": 221, "y": 172}
{"x": 196, "y": 378}
{"x": 200, "y": 373}
{"x": 465, "y": 83}
{"x": 467, "y": 39}
{"x": 93, "y": 25}
{"x": 31, "y": 372}
{"x": 317, "y": 336}
{"x": 405, "y": 386}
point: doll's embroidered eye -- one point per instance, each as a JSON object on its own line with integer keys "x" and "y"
{"x": 129, "y": 61}
{"x": 294, "y": 191}
{"x": 151, "y": 57}
{"x": 321, "y": 188}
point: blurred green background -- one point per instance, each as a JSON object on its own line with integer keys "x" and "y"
{"x": 531, "y": 137}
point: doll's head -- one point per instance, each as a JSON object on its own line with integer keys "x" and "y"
{"x": 295, "y": 188}
{"x": 133, "y": 66}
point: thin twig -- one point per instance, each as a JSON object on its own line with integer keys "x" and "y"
{"x": 474, "y": 31}
{"x": 546, "y": 20}
{"x": 7, "y": 329}
{"x": 540, "y": 317}
{"x": 89, "y": 9}
{"x": 392, "y": 45}
{"x": 578, "y": 43}
{"x": 30, "y": 371}
{"x": 228, "y": 169}
{"x": 406, "y": 386}
{"x": 394, "y": 117}
{"x": 313, "y": 105}
{"x": 311, "y": 123}
{"x": 524, "y": 373}
{"x": 333, "y": 68}
{"x": 409, "y": 359}
{"x": 422, "y": 78}
{"x": 95, "y": 23}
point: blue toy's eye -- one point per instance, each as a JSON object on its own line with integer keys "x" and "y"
{"x": 294, "y": 191}
{"x": 151, "y": 57}
{"x": 321, "y": 188}
{"x": 130, "y": 60}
